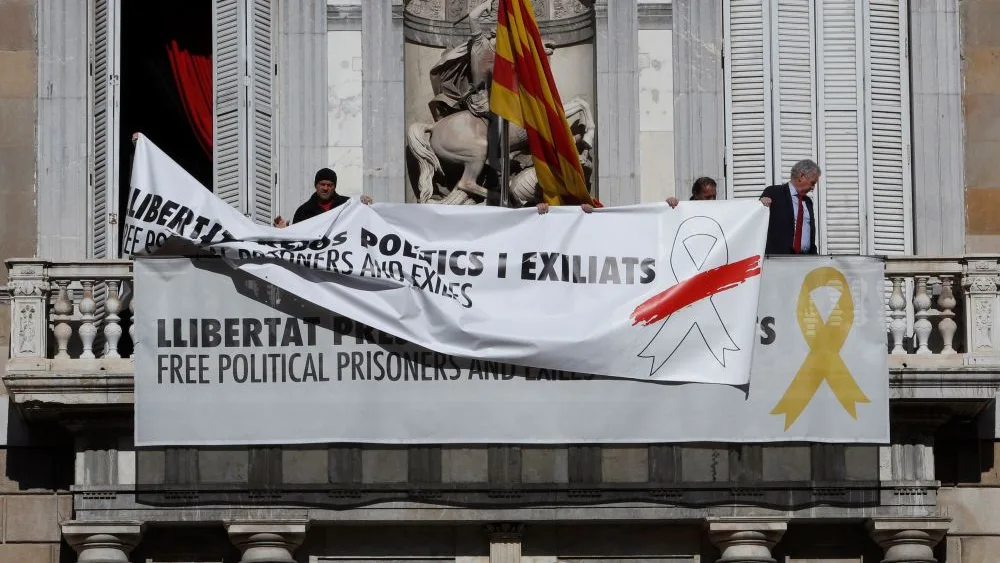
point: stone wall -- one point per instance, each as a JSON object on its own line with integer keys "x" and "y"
{"x": 34, "y": 481}
{"x": 34, "y": 499}
{"x": 18, "y": 91}
{"x": 981, "y": 101}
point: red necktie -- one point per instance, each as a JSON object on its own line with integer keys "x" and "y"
{"x": 797, "y": 243}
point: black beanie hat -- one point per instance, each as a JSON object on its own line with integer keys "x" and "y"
{"x": 325, "y": 174}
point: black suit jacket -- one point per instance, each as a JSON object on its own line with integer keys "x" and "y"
{"x": 781, "y": 225}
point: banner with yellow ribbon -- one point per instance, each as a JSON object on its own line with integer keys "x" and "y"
{"x": 827, "y": 365}
{"x": 825, "y": 339}
{"x": 819, "y": 368}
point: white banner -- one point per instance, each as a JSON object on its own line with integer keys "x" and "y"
{"x": 645, "y": 292}
{"x": 226, "y": 359}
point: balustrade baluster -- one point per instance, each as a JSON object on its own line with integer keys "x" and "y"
{"x": 112, "y": 326}
{"x": 921, "y": 312}
{"x": 947, "y": 325}
{"x": 88, "y": 330}
{"x": 897, "y": 313}
{"x": 63, "y": 309}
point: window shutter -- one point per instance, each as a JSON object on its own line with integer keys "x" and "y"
{"x": 793, "y": 54}
{"x": 243, "y": 75}
{"x": 747, "y": 96}
{"x": 104, "y": 76}
{"x": 887, "y": 126}
{"x": 261, "y": 109}
{"x": 228, "y": 76}
{"x": 840, "y": 110}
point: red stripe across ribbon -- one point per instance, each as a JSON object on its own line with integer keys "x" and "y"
{"x": 697, "y": 287}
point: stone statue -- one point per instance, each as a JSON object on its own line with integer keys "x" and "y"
{"x": 460, "y": 132}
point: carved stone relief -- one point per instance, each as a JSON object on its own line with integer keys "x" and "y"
{"x": 430, "y": 9}
{"x": 26, "y": 334}
{"x": 984, "y": 324}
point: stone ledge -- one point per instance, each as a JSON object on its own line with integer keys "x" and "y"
{"x": 891, "y": 523}
{"x": 270, "y": 526}
{"x": 418, "y": 513}
{"x": 85, "y": 381}
{"x": 71, "y": 390}
{"x": 117, "y": 528}
{"x": 46, "y": 394}
{"x": 941, "y": 381}
{"x": 747, "y": 523}
{"x": 396, "y": 514}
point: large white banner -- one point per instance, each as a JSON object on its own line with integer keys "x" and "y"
{"x": 224, "y": 358}
{"x": 645, "y": 292}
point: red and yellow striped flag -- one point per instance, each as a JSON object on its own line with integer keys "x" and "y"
{"x": 524, "y": 93}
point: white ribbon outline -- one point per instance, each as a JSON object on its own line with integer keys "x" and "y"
{"x": 702, "y": 315}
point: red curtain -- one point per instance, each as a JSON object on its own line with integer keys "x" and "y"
{"x": 193, "y": 76}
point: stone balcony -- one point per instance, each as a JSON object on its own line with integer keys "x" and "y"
{"x": 72, "y": 335}
{"x": 70, "y": 360}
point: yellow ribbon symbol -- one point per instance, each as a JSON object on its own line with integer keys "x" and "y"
{"x": 825, "y": 339}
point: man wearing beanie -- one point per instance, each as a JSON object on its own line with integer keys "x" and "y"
{"x": 325, "y": 199}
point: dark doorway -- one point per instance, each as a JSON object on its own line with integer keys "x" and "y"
{"x": 166, "y": 48}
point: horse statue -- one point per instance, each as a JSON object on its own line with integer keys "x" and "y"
{"x": 460, "y": 132}
{"x": 462, "y": 138}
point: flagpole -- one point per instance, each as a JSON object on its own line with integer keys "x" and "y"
{"x": 504, "y": 163}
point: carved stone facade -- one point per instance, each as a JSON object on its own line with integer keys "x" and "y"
{"x": 74, "y": 488}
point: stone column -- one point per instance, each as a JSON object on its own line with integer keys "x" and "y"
{"x": 908, "y": 540}
{"x": 746, "y": 540}
{"x": 699, "y": 114}
{"x": 267, "y": 541}
{"x": 382, "y": 93}
{"x": 938, "y": 148}
{"x": 102, "y": 542}
{"x": 302, "y": 100}
{"x": 617, "y": 52}
{"x": 505, "y": 542}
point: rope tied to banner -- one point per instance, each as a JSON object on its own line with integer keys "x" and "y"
{"x": 825, "y": 340}
{"x": 699, "y": 260}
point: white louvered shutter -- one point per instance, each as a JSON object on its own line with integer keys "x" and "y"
{"x": 104, "y": 128}
{"x": 229, "y": 159}
{"x": 747, "y": 97}
{"x": 840, "y": 123}
{"x": 887, "y": 124}
{"x": 243, "y": 81}
{"x": 793, "y": 54}
{"x": 261, "y": 111}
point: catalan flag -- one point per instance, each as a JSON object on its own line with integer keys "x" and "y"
{"x": 524, "y": 93}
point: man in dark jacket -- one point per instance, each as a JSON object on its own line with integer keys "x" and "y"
{"x": 792, "y": 226}
{"x": 704, "y": 189}
{"x": 325, "y": 199}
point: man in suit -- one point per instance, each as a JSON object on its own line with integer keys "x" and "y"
{"x": 792, "y": 226}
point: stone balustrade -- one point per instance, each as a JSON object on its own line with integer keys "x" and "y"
{"x": 70, "y": 310}
{"x": 942, "y": 308}
{"x": 945, "y": 309}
